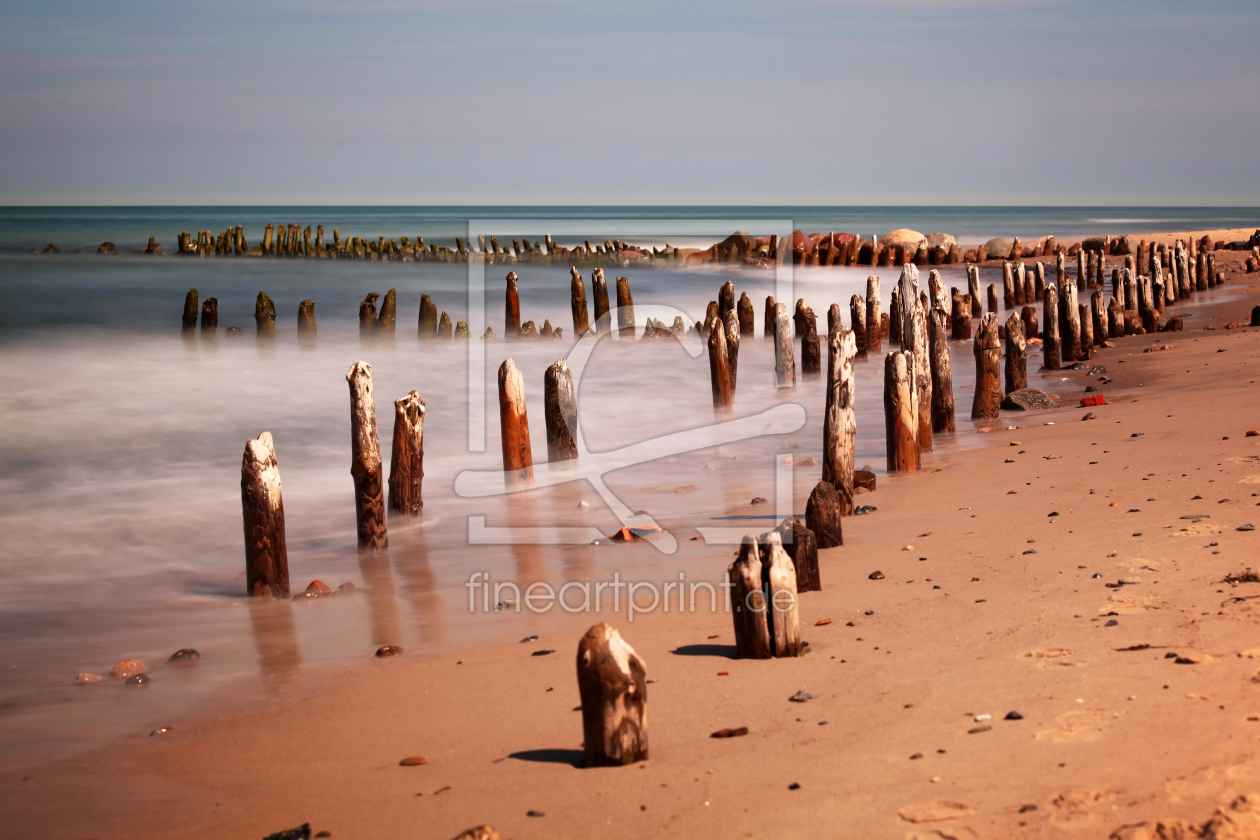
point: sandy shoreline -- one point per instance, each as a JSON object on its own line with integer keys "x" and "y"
{"x": 909, "y": 678}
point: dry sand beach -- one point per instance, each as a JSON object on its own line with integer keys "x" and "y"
{"x": 1051, "y": 651}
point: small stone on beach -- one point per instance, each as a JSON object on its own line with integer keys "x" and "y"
{"x": 127, "y": 668}
{"x": 412, "y": 761}
{"x": 875, "y": 576}
{"x": 389, "y": 650}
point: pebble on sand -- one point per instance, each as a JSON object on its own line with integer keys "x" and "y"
{"x": 389, "y": 650}
{"x": 138, "y": 680}
{"x": 185, "y": 655}
{"x": 801, "y": 697}
{"x": 413, "y": 761}
{"x": 735, "y": 732}
{"x": 88, "y": 678}
{"x": 127, "y": 668}
{"x": 875, "y": 576}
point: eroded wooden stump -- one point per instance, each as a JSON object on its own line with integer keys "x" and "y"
{"x": 901, "y": 409}
{"x": 612, "y": 682}
{"x": 784, "y": 363}
{"x": 306, "y": 318}
{"x": 577, "y": 302}
{"x": 748, "y": 604}
{"x": 512, "y": 312}
{"x": 625, "y": 309}
{"x": 365, "y": 460}
{"x": 266, "y": 553}
{"x": 840, "y": 419}
{"x": 1016, "y": 371}
{"x": 823, "y": 515}
{"x": 518, "y": 460}
{"x": 560, "y": 407}
{"x": 406, "y": 468}
{"x": 719, "y": 370}
{"x": 988, "y": 352}
{"x": 599, "y": 292}
{"x": 874, "y": 322}
{"x": 745, "y": 310}
{"x": 942, "y": 372}
{"x": 189, "y": 322}
{"x": 1050, "y": 329}
{"x": 265, "y": 315}
{"x": 857, "y": 323}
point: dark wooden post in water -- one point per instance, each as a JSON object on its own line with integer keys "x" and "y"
{"x": 1016, "y": 355}
{"x": 811, "y": 349}
{"x": 874, "y": 324}
{"x": 993, "y": 302}
{"x": 266, "y": 554}
{"x": 427, "y": 326}
{"x": 367, "y": 314}
{"x": 612, "y": 682}
{"x": 518, "y": 461}
{"x": 942, "y": 372}
{"x": 768, "y": 330}
{"x": 625, "y": 309}
{"x": 732, "y": 348}
{"x": 512, "y": 314}
{"x": 748, "y": 603}
{"x": 823, "y": 515}
{"x": 306, "y": 318}
{"x": 914, "y": 339}
{"x": 988, "y": 353}
{"x": 719, "y": 372}
{"x": 387, "y": 321}
{"x": 779, "y": 574}
{"x": 190, "y": 313}
{"x": 406, "y": 467}
{"x": 896, "y": 316}
{"x": 1070, "y": 322}
{"x": 577, "y": 292}
{"x": 560, "y": 409}
{"x": 209, "y": 317}
{"x": 840, "y": 419}
{"x": 784, "y": 363}
{"x": 265, "y": 315}
{"x": 857, "y": 321}
{"x": 365, "y": 460}
{"x": 973, "y": 289}
{"x": 726, "y": 299}
{"x": 445, "y": 327}
{"x": 1008, "y": 287}
{"x": 746, "y": 313}
{"x": 901, "y": 412}
{"x": 960, "y": 318}
{"x": 599, "y": 292}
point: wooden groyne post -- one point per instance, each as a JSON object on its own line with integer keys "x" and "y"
{"x": 189, "y": 322}
{"x": 1016, "y": 373}
{"x": 625, "y": 309}
{"x": 901, "y": 412}
{"x": 612, "y": 684}
{"x": 306, "y": 318}
{"x": 942, "y": 371}
{"x": 518, "y": 460}
{"x": 840, "y": 419}
{"x": 365, "y": 460}
{"x": 406, "y": 467}
{"x": 512, "y": 312}
{"x": 560, "y": 409}
{"x": 988, "y": 353}
{"x": 265, "y": 315}
{"x": 874, "y": 325}
{"x": 784, "y": 362}
{"x": 577, "y": 293}
{"x": 266, "y": 554}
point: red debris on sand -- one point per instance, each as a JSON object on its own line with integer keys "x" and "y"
{"x": 1093, "y": 400}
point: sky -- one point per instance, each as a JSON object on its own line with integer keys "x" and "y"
{"x": 1111, "y": 102}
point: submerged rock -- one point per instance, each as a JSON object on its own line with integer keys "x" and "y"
{"x": 1027, "y": 399}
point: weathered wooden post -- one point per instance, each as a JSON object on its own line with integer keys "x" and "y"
{"x": 942, "y": 372}
{"x": 512, "y": 314}
{"x": 914, "y": 340}
{"x": 1026, "y": 279}
{"x": 367, "y": 313}
{"x": 768, "y": 330}
{"x": 1183, "y": 269}
{"x": 719, "y": 372}
{"x": 388, "y": 318}
{"x": 800, "y": 544}
{"x": 1039, "y": 281}
{"x": 189, "y": 324}
{"x": 1115, "y": 318}
{"x": 1069, "y": 322}
{"x": 746, "y": 314}
{"x": 779, "y": 574}
{"x": 726, "y": 300}
{"x": 560, "y": 406}
{"x": 427, "y": 324}
{"x": 748, "y": 603}
{"x": 874, "y": 331}
{"x": 988, "y": 353}
{"x": 577, "y": 294}
{"x": 896, "y": 315}
{"x": 1200, "y": 272}
{"x": 784, "y": 362}
{"x": 1213, "y": 278}
{"x": 306, "y": 318}
{"x": 599, "y": 292}
{"x": 811, "y": 349}
{"x": 1098, "y": 317}
{"x": 265, "y": 315}
{"x": 1008, "y": 287}
{"x": 823, "y": 515}
{"x": 901, "y": 412}
{"x": 612, "y": 682}
{"x": 1050, "y": 330}
{"x": 1086, "y": 321}
{"x": 840, "y": 419}
{"x": 266, "y": 553}
{"x": 993, "y": 301}
{"x": 732, "y": 348}
{"x": 960, "y": 318}
{"x": 406, "y": 467}
{"x": 1016, "y": 355}
{"x": 518, "y": 461}
{"x": 365, "y": 460}
{"x": 445, "y": 328}
{"x": 857, "y": 321}
{"x": 209, "y": 317}
{"x": 625, "y": 310}
{"x": 268, "y": 239}
{"x": 936, "y": 293}
{"x": 1029, "y": 316}
{"x": 973, "y": 289}
{"x": 461, "y": 330}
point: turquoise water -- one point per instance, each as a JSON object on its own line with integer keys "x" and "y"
{"x": 24, "y": 228}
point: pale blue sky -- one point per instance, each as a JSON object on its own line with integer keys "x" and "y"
{"x": 906, "y": 102}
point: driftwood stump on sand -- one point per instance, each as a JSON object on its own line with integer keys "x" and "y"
{"x": 840, "y": 419}
{"x": 1029, "y": 316}
{"x": 560, "y": 409}
{"x": 901, "y": 412}
{"x": 801, "y": 545}
{"x": 942, "y": 373}
{"x": 988, "y": 352}
{"x": 1016, "y": 372}
{"x": 748, "y": 603}
{"x": 779, "y": 575}
{"x": 518, "y": 461}
{"x": 266, "y": 554}
{"x": 1086, "y": 320}
{"x": 365, "y": 460}
{"x": 823, "y": 515}
{"x": 577, "y": 302}
{"x": 612, "y": 683}
{"x": 406, "y": 467}
{"x": 784, "y": 362}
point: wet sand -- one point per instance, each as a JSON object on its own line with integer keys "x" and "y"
{"x": 1108, "y": 737}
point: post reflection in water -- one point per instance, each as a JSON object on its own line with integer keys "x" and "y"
{"x": 410, "y": 551}
{"x": 276, "y": 640}
{"x": 378, "y": 589}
